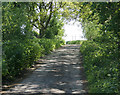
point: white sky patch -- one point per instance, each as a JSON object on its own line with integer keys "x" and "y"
{"x": 73, "y": 31}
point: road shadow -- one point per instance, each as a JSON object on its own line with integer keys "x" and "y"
{"x": 62, "y": 72}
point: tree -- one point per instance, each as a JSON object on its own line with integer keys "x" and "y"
{"x": 41, "y": 15}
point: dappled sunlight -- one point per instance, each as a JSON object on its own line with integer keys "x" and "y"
{"x": 57, "y": 91}
{"x": 60, "y": 73}
{"x": 78, "y": 67}
{"x": 77, "y": 92}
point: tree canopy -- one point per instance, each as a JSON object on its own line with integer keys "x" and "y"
{"x": 32, "y": 29}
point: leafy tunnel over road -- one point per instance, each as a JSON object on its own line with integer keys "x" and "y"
{"x": 61, "y": 72}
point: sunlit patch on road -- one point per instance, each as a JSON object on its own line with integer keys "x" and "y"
{"x": 61, "y": 72}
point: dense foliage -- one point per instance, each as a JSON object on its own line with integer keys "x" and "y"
{"x": 101, "y": 65}
{"x": 31, "y": 30}
{"x": 74, "y": 42}
{"x": 101, "y": 52}
{"x": 22, "y": 44}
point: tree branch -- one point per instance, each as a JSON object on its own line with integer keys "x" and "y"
{"x": 35, "y": 25}
{"x": 51, "y": 8}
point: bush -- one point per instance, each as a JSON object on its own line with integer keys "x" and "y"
{"x": 59, "y": 43}
{"x": 21, "y": 54}
{"x": 75, "y": 42}
{"x": 101, "y": 66}
{"x": 50, "y": 44}
{"x": 18, "y": 55}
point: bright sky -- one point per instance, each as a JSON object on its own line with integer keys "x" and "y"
{"x": 73, "y": 31}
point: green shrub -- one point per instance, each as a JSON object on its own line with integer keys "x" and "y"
{"x": 59, "y": 43}
{"x": 75, "y": 42}
{"x": 47, "y": 44}
{"x": 18, "y": 55}
{"x": 21, "y": 54}
{"x": 101, "y": 66}
{"x": 50, "y": 44}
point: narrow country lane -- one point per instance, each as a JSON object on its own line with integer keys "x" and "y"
{"x": 61, "y": 72}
